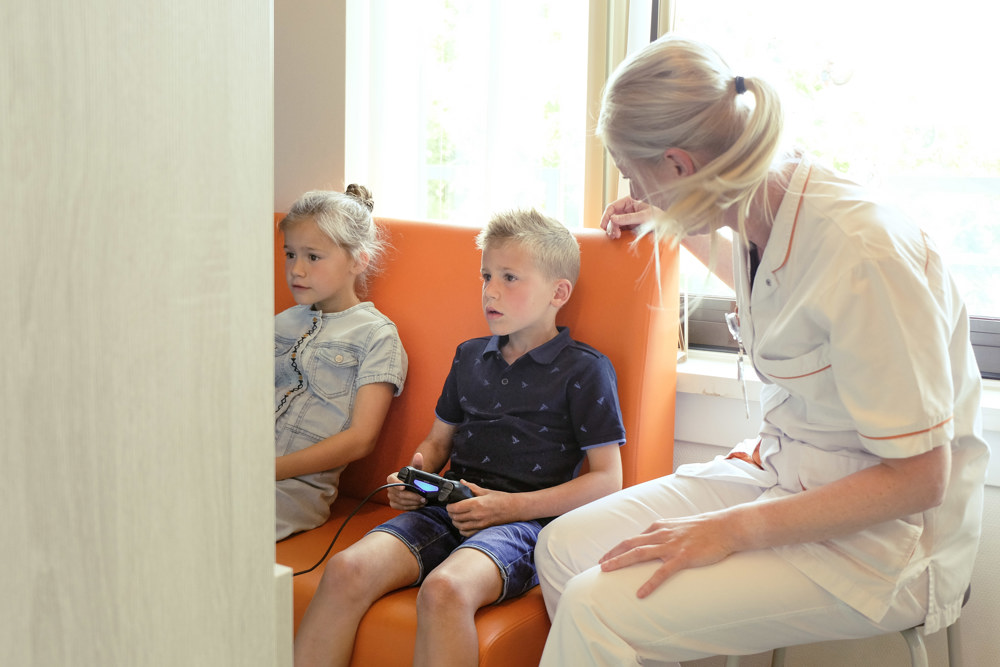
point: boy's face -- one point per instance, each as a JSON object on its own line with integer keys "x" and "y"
{"x": 517, "y": 297}
{"x": 319, "y": 272}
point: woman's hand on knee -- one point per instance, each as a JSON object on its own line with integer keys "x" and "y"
{"x": 677, "y": 543}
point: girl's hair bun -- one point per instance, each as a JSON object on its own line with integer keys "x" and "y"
{"x": 362, "y": 194}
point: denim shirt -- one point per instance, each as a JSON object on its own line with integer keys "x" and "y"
{"x": 320, "y": 361}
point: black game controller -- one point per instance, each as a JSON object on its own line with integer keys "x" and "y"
{"x": 436, "y": 489}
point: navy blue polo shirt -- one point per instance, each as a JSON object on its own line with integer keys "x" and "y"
{"x": 525, "y": 426}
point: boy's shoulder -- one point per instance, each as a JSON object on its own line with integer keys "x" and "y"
{"x": 546, "y": 353}
{"x": 586, "y": 360}
{"x": 583, "y": 348}
{"x": 564, "y": 343}
{"x": 474, "y": 345}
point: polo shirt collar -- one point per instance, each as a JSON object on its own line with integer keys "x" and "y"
{"x": 543, "y": 354}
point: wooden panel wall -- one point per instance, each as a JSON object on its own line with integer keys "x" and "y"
{"x": 136, "y": 153}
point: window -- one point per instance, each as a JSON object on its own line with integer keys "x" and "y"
{"x": 479, "y": 106}
{"x": 470, "y": 106}
{"x": 894, "y": 95}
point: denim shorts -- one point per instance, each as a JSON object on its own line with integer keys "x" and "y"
{"x": 432, "y": 537}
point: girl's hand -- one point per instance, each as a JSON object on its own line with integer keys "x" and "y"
{"x": 486, "y": 508}
{"x": 625, "y": 213}
{"x": 677, "y": 543}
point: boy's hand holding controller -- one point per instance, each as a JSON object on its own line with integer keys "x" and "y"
{"x": 423, "y": 488}
{"x": 491, "y": 507}
{"x": 436, "y": 490}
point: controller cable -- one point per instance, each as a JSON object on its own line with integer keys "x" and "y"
{"x": 349, "y": 517}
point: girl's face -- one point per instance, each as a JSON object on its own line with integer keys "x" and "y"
{"x": 319, "y": 272}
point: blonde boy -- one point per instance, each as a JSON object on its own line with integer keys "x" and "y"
{"x": 519, "y": 412}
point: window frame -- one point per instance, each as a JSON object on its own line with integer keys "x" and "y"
{"x": 707, "y": 330}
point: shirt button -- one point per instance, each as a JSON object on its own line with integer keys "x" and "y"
{"x": 503, "y": 381}
{"x": 768, "y": 282}
{"x": 339, "y": 358}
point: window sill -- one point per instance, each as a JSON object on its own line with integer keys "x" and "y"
{"x": 711, "y": 410}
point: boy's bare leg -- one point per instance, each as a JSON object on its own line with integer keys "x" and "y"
{"x": 352, "y": 581}
{"x": 446, "y": 607}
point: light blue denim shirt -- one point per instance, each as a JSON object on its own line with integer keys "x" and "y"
{"x": 320, "y": 361}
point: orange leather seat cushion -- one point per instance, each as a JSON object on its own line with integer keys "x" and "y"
{"x": 430, "y": 288}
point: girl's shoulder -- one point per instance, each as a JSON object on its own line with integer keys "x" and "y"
{"x": 365, "y": 314}
{"x": 293, "y": 318}
{"x": 368, "y": 308}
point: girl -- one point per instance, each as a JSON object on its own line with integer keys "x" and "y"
{"x": 337, "y": 360}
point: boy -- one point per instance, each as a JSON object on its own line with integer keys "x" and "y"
{"x": 519, "y": 411}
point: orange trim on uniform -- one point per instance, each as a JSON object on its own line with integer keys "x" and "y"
{"x": 752, "y": 459}
{"x": 795, "y": 222}
{"x": 906, "y": 435}
{"x": 796, "y": 377}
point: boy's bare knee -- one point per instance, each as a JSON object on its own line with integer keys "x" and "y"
{"x": 345, "y": 572}
{"x": 465, "y": 582}
{"x": 441, "y": 590}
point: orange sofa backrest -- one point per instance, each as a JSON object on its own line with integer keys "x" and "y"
{"x": 430, "y": 287}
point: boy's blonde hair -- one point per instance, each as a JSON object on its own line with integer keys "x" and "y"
{"x": 346, "y": 219}
{"x": 552, "y": 246}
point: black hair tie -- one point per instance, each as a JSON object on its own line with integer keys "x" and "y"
{"x": 741, "y": 87}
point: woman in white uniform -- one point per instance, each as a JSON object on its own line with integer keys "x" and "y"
{"x": 857, "y": 510}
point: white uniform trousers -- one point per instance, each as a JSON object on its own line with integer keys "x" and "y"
{"x": 748, "y": 603}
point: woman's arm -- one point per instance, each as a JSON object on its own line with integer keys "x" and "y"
{"x": 492, "y": 508}
{"x": 715, "y": 251}
{"x": 627, "y": 213}
{"x": 889, "y": 490}
{"x": 356, "y": 441}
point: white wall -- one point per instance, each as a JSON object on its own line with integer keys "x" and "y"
{"x": 136, "y": 456}
{"x": 309, "y": 90}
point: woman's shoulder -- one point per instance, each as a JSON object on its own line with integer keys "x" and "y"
{"x": 845, "y": 223}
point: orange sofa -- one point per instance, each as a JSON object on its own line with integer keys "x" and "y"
{"x": 430, "y": 288}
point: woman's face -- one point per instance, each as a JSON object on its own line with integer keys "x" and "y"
{"x": 650, "y": 181}
{"x": 647, "y": 179}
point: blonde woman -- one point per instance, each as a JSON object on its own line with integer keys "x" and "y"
{"x": 857, "y": 509}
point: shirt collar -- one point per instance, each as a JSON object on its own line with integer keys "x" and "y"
{"x": 779, "y": 244}
{"x": 543, "y": 354}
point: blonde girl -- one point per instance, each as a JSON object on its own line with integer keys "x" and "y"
{"x": 338, "y": 361}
